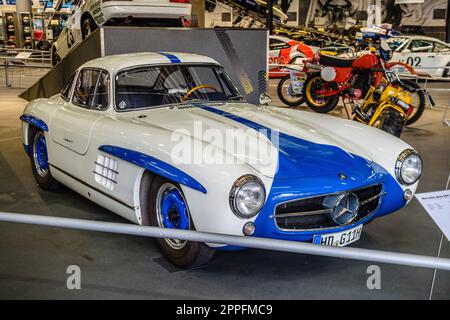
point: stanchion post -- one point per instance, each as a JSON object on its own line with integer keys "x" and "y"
{"x": 433, "y": 281}
{"x": 445, "y": 119}
{"x": 6, "y": 64}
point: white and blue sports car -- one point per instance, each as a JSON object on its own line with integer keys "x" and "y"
{"x": 165, "y": 139}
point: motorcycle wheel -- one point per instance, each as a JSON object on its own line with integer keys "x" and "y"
{"x": 314, "y": 102}
{"x": 419, "y": 101}
{"x": 286, "y": 95}
{"x": 390, "y": 121}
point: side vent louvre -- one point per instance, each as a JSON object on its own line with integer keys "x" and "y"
{"x": 106, "y": 171}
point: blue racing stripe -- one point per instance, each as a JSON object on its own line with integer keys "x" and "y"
{"x": 171, "y": 57}
{"x": 154, "y": 165}
{"x": 299, "y": 157}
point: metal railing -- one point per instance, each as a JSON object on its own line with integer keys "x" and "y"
{"x": 28, "y": 55}
{"x": 241, "y": 241}
{"x": 17, "y": 73}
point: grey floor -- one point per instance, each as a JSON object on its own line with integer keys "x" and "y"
{"x": 33, "y": 260}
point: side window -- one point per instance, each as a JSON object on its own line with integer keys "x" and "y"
{"x": 275, "y": 44}
{"x": 65, "y": 93}
{"x": 438, "y": 47}
{"x": 420, "y": 46}
{"x": 92, "y": 89}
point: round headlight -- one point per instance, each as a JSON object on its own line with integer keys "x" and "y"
{"x": 409, "y": 167}
{"x": 247, "y": 196}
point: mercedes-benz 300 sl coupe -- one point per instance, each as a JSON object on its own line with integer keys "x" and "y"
{"x": 166, "y": 139}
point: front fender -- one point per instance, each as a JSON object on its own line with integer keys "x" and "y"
{"x": 382, "y": 148}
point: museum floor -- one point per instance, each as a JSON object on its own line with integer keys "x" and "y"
{"x": 33, "y": 259}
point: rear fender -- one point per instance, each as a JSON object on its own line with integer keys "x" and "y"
{"x": 391, "y": 65}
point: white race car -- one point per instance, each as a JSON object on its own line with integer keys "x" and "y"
{"x": 165, "y": 139}
{"x": 88, "y": 15}
{"x": 424, "y": 54}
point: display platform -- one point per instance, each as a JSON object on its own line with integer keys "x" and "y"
{"x": 230, "y": 47}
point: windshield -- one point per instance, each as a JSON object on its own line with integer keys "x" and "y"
{"x": 154, "y": 86}
{"x": 397, "y": 44}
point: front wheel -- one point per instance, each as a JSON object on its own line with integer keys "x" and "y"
{"x": 315, "y": 101}
{"x": 55, "y": 58}
{"x": 391, "y": 121}
{"x": 286, "y": 93}
{"x": 39, "y": 160}
{"x": 169, "y": 209}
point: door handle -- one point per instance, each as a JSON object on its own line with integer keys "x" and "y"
{"x": 68, "y": 140}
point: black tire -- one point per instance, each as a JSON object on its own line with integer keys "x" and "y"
{"x": 282, "y": 92}
{"x": 447, "y": 72}
{"x": 391, "y": 121}
{"x": 192, "y": 254}
{"x": 411, "y": 86}
{"x": 315, "y": 80}
{"x": 55, "y": 58}
{"x": 43, "y": 178}
{"x": 88, "y": 27}
{"x": 261, "y": 11}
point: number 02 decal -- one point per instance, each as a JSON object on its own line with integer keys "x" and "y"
{"x": 414, "y": 62}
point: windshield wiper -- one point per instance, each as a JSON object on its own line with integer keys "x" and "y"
{"x": 236, "y": 98}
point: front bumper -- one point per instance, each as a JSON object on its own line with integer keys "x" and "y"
{"x": 121, "y": 9}
{"x": 285, "y": 190}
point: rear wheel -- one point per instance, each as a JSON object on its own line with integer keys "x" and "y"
{"x": 447, "y": 72}
{"x": 286, "y": 93}
{"x": 168, "y": 208}
{"x": 390, "y": 121}
{"x": 55, "y": 58}
{"x": 418, "y": 100}
{"x": 314, "y": 100}
{"x": 261, "y": 11}
{"x": 88, "y": 27}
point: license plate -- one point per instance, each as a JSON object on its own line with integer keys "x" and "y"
{"x": 339, "y": 239}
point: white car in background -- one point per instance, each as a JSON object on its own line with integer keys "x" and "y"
{"x": 88, "y": 15}
{"x": 424, "y": 54}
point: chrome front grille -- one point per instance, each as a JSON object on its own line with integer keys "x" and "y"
{"x": 310, "y": 213}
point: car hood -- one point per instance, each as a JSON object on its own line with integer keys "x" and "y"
{"x": 273, "y": 143}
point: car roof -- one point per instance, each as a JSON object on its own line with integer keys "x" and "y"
{"x": 118, "y": 62}
{"x": 419, "y": 37}
{"x": 281, "y": 38}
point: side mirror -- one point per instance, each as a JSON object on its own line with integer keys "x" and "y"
{"x": 406, "y": 51}
{"x": 265, "y": 99}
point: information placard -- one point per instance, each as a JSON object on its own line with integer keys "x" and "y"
{"x": 437, "y": 205}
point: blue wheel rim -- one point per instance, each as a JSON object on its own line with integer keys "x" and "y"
{"x": 172, "y": 212}
{"x": 40, "y": 155}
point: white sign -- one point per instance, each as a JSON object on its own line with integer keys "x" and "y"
{"x": 23, "y": 55}
{"x": 437, "y": 204}
{"x": 409, "y": 1}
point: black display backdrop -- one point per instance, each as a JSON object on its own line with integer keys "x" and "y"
{"x": 242, "y": 52}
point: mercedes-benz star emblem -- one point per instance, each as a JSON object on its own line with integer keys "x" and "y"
{"x": 343, "y": 207}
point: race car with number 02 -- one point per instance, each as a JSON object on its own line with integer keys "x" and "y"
{"x": 88, "y": 15}
{"x": 283, "y": 50}
{"x": 167, "y": 140}
{"x": 424, "y": 54}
